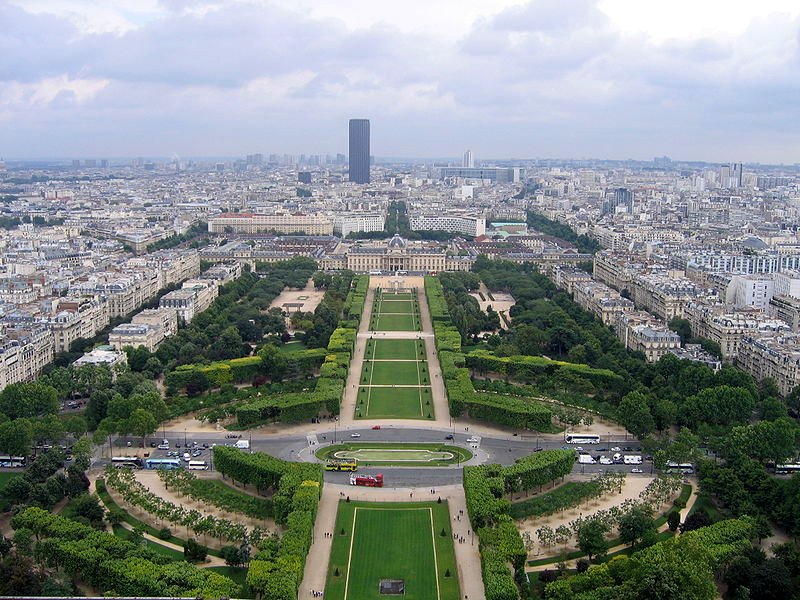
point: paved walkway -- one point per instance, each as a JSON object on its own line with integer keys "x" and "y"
{"x": 467, "y": 557}
{"x": 348, "y": 407}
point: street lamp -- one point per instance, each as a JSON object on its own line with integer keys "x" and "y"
{"x": 184, "y": 437}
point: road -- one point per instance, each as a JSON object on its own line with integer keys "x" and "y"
{"x": 504, "y": 450}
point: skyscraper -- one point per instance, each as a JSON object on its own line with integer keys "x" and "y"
{"x": 359, "y": 150}
{"x": 468, "y": 162}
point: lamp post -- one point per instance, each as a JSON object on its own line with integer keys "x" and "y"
{"x": 184, "y": 437}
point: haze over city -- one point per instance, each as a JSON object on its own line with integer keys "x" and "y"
{"x": 602, "y": 79}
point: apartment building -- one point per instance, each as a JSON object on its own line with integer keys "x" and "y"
{"x": 601, "y": 300}
{"x": 75, "y": 318}
{"x": 289, "y": 223}
{"x": 24, "y": 351}
{"x": 786, "y": 308}
{"x": 345, "y": 224}
{"x": 776, "y": 356}
{"x": 568, "y": 278}
{"x": 164, "y": 319}
{"x": 640, "y": 332}
{"x": 195, "y": 296}
{"x": 457, "y": 223}
{"x": 135, "y": 335}
{"x": 666, "y": 297}
{"x": 751, "y": 290}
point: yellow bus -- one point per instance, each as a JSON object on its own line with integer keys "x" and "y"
{"x": 350, "y": 464}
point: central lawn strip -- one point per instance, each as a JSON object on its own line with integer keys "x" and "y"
{"x": 392, "y": 541}
{"x": 394, "y": 403}
{"x": 395, "y": 373}
{"x": 395, "y": 349}
{"x": 405, "y": 307}
{"x": 384, "y": 322}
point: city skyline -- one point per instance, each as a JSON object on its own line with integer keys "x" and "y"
{"x": 603, "y": 79}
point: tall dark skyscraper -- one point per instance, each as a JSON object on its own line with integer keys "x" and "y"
{"x": 359, "y": 150}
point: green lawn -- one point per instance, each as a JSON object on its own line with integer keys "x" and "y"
{"x": 384, "y": 322}
{"x": 395, "y": 373}
{"x": 293, "y": 346}
{"x": 394, "y": 403}
{"x": 126, "y": 534}
{"x": 392, "y": 541}
{"x": 395, "y": 349}
{"x": 6, "y": 477}
{"x": 389, "y": 295}
{"x": 405, "y": 307}
{"x": 238, "y": 575}
{"x": 397, "y": 454}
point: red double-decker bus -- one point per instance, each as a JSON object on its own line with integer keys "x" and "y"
{"x": 367, "y": 480}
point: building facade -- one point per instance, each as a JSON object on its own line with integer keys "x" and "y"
{"x": 359, "y": 151}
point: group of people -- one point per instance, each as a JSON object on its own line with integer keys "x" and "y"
{"x": 316, "y": 594}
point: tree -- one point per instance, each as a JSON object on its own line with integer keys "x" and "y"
{"x": 141, "y": 423}
{"x": 16, "y": 437}
{"x": 635, "y": 414}
{"x": 20, "y": 400}
{"x": 720, "y": 405}
{"x": 273, "y": 362}
{"x": 591, "y": 537}
{"x": 231, "y": 555}
{"x": 635, "y": 523}
{"x": 674, "y": 520}
{"x": 197, "y": 383}
{"x": 696, "y": 520}
{"x": 137, "y": 357}
{"x": 682, "y": 327}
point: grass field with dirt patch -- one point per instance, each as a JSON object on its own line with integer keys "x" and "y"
{"x": 410, "y": 542}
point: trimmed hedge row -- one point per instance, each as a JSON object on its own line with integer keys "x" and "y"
{"x": 299, "y": 488}
{"x": 500, "y": 543}
{"x": 244, "y": 370}
{"x": 302, "y": 406}
{"x": 528, "y": 369}
{"x": 354, "y": 303}
{"x": 437, "y": 305}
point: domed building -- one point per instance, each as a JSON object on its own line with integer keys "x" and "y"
{"x": 395, "y": 255}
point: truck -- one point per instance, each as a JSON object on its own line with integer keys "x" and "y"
{"x": 632, "y": 459}
{"x": 367, "y": 480}
{"x": 586, "y": 459}
{"x": 243, "y": 444}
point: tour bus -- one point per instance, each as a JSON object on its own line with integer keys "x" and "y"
{"x": 375, "y": 272}
{"x": 198, "y": 465}
{"x": 130, "y": 462}
{"x": 163, "y": 463}
{"x": 581, "y": 438}
{"x": 786, "y": 469}
{"x": 341, "y": 465}
{"x": 16, "y": 462}
{"x": 685, "y": 468}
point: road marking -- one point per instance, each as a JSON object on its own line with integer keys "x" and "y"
{"x": 350, "y": 554}
{"x": 435, "y": 560}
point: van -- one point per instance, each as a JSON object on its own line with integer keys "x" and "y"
{"x": 163, "y": 446}
{"x": 243, "y": 444}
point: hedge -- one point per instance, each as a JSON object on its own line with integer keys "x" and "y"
{"x": 354, "y": 303}
{"x": 500, "y": 543}
{"x": 527, "y": 369}
{"x": 246, "y": 369}
{"x": 299, "y": 488}
{"x": 436, "y": 302}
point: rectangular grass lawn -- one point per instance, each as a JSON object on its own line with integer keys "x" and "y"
{"x": 389, "y": 295}
{"x": 384, "y": 322}
{"x": 395, "y": 349}
{"x": 396, "y": 306}
{"x": 392, "y": 541}
{"x": 386, "y": 372}
{"x": 394, "y": 403}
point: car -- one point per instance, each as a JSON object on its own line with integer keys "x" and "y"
{"x": 627, "y": 449}
{"x": 473, "y": 439}
{"x": 604, "y": 460}
{"x": 205, "y": 445}
{"x": 635, "y": 470}
{"x": 163, "y": 446}
{"x": 376, "y": 426}
{"x": 177, "y": 445}
{"x": 197, "y": 453}
{"x": 603, "y": 449}
{"x": 449, "y": 436}
{"x": 616, "y": 449}
{"x": 355, "y": 435}
{"x": 152, "y": 444}
{"x": 186, "y": 456}
{"x": 474, "y": 446}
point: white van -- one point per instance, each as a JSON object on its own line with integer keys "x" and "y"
{"x": 198, "y": 465}
{"x": 243, "y": 444}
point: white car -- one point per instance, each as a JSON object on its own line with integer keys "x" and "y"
{"x": 473, "y": 440}
{"x": 616, "y": 449}
{"x": 355, "y": 435}
{"x": 604, "y": 460}
{"x": 187, "y": 457}
{"x": 635, "y": 470}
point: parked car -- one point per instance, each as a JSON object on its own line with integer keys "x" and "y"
{"x": 473, "y": 439}
{"x": 616, "y": 449}
{"x": 205, "y": 445}
{"x": 449, "y": 436}
{"x": 355, "y": 435}
{"x": 636, "y": 470}
{"x": 376, "y": 426}
{"x": 197, "y": 453}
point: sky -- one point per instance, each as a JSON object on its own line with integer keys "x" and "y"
{"x": 715, "y": 80}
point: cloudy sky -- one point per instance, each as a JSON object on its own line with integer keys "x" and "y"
{"x": 715, "y": 80}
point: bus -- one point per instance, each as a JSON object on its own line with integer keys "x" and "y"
{"x": 581, "y": 438}
{"x": 163, "y": 463}
{"x": 16, "y": 462}
{"x": 787, "y": 469}
{"x": 198, "y": 465}
{"x": 350, "y": 464}
{"x": 130, "y": 462}
{"x": 685, "y": 468}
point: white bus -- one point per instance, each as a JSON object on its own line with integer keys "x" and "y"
{"x": 581, "y": 438}
{"x": 131, "y": 462}
{"x": 16, "y": 462}
{"x": 787, "y": 469}
{"x": 685, "y": 468}
{"x": 198, "y": 465}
